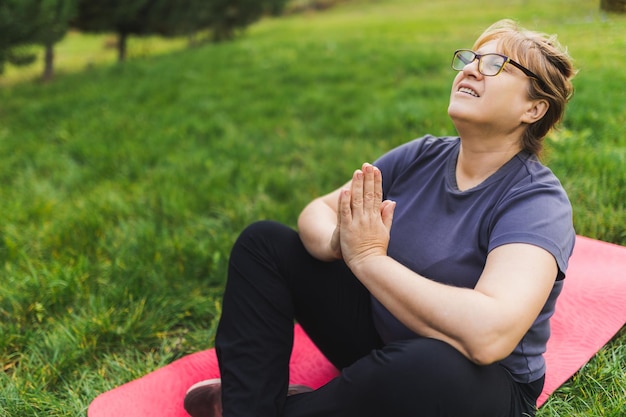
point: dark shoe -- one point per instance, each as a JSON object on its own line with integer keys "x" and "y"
{"x": 295, "y": 389}
{"x": 204, "y": 399}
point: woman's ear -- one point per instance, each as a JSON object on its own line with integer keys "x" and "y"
{"x": 536, "y": 110}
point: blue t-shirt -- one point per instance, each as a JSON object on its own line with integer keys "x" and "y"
{"x": 445, "y": 234}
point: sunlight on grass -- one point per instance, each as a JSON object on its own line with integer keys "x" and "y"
{"x": 79, "y": 52}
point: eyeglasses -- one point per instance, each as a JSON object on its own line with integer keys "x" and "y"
{"x": 488, "y": 64}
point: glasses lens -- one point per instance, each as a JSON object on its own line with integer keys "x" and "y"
{"x": 462, "y": 58}
{"x": 491, "y": 64}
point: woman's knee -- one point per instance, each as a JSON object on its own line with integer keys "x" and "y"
{"x": 262, "y": 229}
{"x": 266, "y": 232}
{"x": 417, "y": 365}
{"x": 265, "y": 252}
{"x": 263, "y": 237}
{"x": 426, "y": 373}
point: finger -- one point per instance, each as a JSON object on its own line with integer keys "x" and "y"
{"x": 387, "y": 210}
{"x": 369, "y": 201}
{"x": 378, "y": 187}
{"x": 357, "y": 191}
{"x": 344, "y": 213}
{"x": 339, "y": 208}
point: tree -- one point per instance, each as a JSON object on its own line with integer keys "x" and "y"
{"x": 32, "y": 22}
{"x": 177, "y": 18}
{"x": 16, "y": 30}
{"x": 170, "y": 17}
{"x": 224, "y": 18}
{"x": 52, "y": 22}
{"x": 618, "y": 6}
{"x": 124, "y": 17}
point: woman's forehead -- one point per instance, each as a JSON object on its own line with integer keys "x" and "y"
{"x": 501, "y": 44}
{"x": 488, "y": 47}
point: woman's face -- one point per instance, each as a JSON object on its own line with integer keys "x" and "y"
{"x": 497, "y": 102}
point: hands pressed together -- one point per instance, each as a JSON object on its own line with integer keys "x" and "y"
{"x": 363, "y": 218}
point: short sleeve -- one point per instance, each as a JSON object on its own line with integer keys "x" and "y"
{"x": 539, "y": 213}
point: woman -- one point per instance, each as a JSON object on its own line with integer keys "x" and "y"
{"x": 430, "y": 277}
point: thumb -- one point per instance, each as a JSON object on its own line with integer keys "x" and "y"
{"x": 387, "y": 209}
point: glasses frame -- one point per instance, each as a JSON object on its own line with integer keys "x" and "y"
{"x": 507, "y": 60}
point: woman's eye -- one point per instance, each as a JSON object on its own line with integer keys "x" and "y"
{"x": 494, "y": 64}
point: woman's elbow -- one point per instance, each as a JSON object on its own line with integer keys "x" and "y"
{"x": 489, "y": 351}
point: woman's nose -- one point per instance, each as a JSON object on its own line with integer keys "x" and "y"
{"x": 472, "y": 69}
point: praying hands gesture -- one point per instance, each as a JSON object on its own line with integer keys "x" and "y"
{"x": 363, "y": 218}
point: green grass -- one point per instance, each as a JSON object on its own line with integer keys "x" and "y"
{"x": 122, "y": 188}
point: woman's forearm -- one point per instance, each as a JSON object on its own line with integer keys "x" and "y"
{"x": 316, "y": 225}
{"x": 484, "y": 323}
{"x": 428, "y": 308}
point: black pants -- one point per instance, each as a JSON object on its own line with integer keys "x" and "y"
{"x": 273, "y": 280}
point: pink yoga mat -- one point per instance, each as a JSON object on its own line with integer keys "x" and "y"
{"x": 591, "y": 310}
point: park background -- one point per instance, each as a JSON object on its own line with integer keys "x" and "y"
{"x": 124, "y": 185}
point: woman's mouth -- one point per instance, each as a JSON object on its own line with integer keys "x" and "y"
{"x": 469, "y": 91}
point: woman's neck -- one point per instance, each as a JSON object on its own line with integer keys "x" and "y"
{"x": 479, "y": 158}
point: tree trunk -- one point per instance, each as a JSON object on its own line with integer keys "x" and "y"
{"x": 618, "y": 6}
{"x": 121, "y": 46}
{"x": 222, "y": 32}
{"x": 48, "y": 69}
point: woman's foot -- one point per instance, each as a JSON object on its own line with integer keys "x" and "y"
{"x": 204, "y": 399}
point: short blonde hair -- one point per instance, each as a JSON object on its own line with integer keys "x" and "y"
{"x": 544, "y": 56}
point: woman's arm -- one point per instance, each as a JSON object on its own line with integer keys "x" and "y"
{"x": 317, "y": 225}
{"x": 484, "y": 323}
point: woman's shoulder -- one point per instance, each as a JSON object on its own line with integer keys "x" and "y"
{"x": 537, "y": 173}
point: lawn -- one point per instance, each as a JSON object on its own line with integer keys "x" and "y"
{"x": 123, "y": 187}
